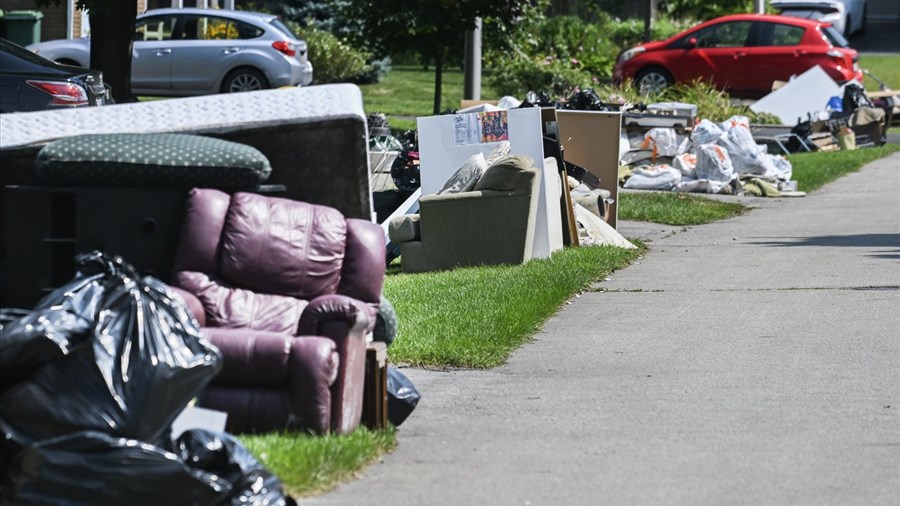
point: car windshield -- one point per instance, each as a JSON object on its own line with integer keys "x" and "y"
{"x": 283, "y": 28}
{"x": 834, "y": 37}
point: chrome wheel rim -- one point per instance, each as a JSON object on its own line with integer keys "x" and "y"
{"x": 244, "y": 82}
{"x": 653, "y": 83}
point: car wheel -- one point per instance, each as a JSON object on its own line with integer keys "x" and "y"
{"x": 244, "y": 80}
{"x": 652, "y": 80}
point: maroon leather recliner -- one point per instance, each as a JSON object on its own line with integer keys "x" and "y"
{"x": 288, "y": 292}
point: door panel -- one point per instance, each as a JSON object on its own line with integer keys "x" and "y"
{"x": 776, "y": 56}
{"x": 209, "y": 45}
{"x": 718, "y": 55}
{"x": 152, "y": 56}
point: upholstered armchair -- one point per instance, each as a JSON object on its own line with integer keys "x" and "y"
{"x": 492, "y": 224}
{"x": 287, "y": 291}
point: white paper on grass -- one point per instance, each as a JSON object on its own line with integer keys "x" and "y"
{"x": 800, "y": 97}
{"x": 440, "y": 157}
{"x": 199, "y": 418}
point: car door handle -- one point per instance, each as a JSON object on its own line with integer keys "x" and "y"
{"x": 739, "y": 54}
{"x": 799, "y": 53}
{"x": 231, "y": 50}
{"x": 161, "y": 52}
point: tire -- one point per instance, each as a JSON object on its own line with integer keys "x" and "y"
{"x": 244, "y": 79}
{"x": 652, "y": 80}
{"x": 385, "y": 323}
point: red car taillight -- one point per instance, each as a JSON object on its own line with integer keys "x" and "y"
{"x": 285, "y": 47}
{"x": 63, "y": 93}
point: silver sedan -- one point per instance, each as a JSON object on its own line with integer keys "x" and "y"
{"x": 186, "y": 52}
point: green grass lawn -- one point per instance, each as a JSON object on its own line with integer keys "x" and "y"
{"x": 813, "y": 170}
{"x": 673, "y": 208}
{"x": 307, "y": 464}
{"x": 407, "y": 92}
{"x": 475, "y": 317}
{"x": 885, "y": 68}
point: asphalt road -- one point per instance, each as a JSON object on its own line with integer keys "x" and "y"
{"x": 751, "y": 361}
{"x": 881, "y": 37}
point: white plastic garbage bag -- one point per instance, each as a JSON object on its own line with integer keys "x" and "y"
{"x": 714, "y": 163}
{"x": 782, "y": 167}
{"x": 744, "y": 152}
{"x": 735, "y": 121}
{"x": 654, "y": 177}
{"x": 686, "y": 163}
{"x": 705, "y": 132}
{"x": 665, "y": 142}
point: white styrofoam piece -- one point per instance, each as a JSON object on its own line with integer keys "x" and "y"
{"x": 439, "y": 159}
{"x": 199, "y": 418}
{"x": 804, "y": 95}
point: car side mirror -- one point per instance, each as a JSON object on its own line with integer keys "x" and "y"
{"x": 691, "y": 43}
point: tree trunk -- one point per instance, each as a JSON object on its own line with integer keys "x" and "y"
{"x": 438, "y": 74}
{"x": 112, "y": 36}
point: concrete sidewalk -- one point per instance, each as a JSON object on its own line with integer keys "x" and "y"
{"x": 750, "y": 361}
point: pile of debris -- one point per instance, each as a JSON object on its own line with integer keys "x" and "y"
{"x": 713, "y": 158}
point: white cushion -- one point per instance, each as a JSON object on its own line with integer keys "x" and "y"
{"x": 466, "y": 176}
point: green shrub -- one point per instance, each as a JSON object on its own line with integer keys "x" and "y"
{"x": 334, "y": 60}
{"x": 561, "y": 53}
{"x": 550, "y": 75}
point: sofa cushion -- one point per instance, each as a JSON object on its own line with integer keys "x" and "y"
{"x": 513, "y": 174}
{"x": 150, "y": 160}
{"x": 282, "y": 246}
{"x": 404, "y": 228}
{"x": 466, "y": 176}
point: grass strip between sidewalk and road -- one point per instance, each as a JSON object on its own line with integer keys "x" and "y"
{"x": 673, "y": 208}
{"x": 814, "y": 170}
{"x": 310, "y": 464}
{"x": 475, "y": 317}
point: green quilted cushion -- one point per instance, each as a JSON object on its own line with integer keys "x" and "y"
{"x": 150, "y": 160}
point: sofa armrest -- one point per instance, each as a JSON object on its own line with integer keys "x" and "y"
{"x": 346, "y": 321}
{"x": 193, "y": 304}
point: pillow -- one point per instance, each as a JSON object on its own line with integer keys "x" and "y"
{"x": 499, "y": 151}
{"x": 466, "y": 176}
{"x": 150, "y": 160}
{"x": 513, "y": 174}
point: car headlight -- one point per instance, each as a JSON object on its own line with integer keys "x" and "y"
{"x": 629, "y": 54}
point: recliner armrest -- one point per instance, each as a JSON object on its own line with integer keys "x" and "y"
{"x": 336, "y": 309}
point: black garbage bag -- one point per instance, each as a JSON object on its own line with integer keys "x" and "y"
{"x": 854, "y": 98}
{"x": 60, "y": 321}
{"x": 402, "y": 396}
{"x": 405, "y": 168}
{"x": 588, "y": 100}
{"x": 224, "y": 456}
{"x": 143, "y": 359}
{"x": 90, "y": 468}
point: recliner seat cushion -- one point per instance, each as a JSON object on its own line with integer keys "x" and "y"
{"x": 282, "y": 246}
{"x": 150, "y": 160}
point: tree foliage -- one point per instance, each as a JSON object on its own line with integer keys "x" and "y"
{"x": 434, "y": 29}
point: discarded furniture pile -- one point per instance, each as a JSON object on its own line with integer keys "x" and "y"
{"x": 258, "y": 280}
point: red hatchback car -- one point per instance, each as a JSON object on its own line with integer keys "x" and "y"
{"x": 743, "y": 54}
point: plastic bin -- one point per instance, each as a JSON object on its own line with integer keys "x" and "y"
{"x": 22, "y": 27}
